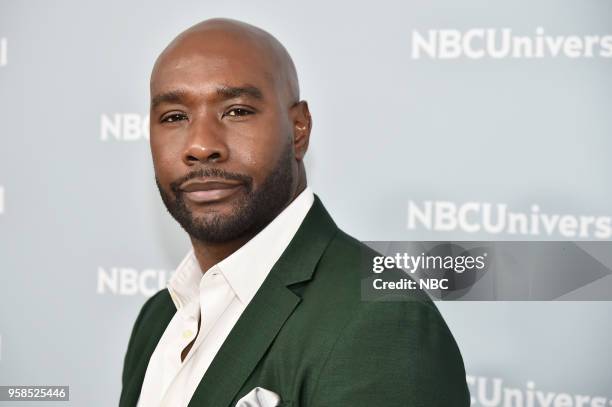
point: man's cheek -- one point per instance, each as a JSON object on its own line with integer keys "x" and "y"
{"x": 167, "y": 165}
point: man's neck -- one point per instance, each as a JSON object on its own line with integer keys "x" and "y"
{"x": 208, "y": 254}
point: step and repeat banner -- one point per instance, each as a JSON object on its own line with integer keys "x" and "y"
{"x": 433, "y": 121}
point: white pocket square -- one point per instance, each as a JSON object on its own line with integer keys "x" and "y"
{"x": 259, "y": 397}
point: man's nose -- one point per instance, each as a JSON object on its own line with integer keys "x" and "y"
{"x": 205, "y": 143}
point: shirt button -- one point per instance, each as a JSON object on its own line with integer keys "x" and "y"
{"x": 187, "y": 334}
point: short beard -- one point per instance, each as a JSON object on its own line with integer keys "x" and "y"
{"x": 251, "y": 214}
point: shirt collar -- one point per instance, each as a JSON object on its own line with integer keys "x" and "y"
{"x": 183, "y": 284}
{"x": 246, "y": 268}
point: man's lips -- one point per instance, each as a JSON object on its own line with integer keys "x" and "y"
{"x": 205, "y": 191}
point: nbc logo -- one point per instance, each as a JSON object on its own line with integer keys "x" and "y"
{"x": 124, "y": 127}
{"x": 3, "y": 52}
{"x": 129, "y": 281}
{"x": 1, "y": 199}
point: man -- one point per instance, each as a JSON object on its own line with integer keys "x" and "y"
{"x": 267, "y": 305}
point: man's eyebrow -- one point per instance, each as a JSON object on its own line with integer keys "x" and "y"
{"x": 232, "y": 92}
{"x": 173, "y": 96}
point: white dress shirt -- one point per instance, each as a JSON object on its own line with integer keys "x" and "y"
{"x": 219, "y": 296}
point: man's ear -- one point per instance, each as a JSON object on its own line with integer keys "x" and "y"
{"x": 302, "y": 124}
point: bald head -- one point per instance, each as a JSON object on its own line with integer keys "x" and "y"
{"x": 238, "y": 40}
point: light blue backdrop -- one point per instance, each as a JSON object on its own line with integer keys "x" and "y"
{"x": 84, "y": 237}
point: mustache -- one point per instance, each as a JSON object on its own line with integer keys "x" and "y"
{"x": 211, "y": 172}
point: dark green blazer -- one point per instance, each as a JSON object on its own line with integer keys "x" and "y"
{"x": 308, "y": 336}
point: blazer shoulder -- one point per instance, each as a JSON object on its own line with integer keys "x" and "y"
{"x": 348, "y": 250}
{"x": 349, "y": 261}
{"x": 402, "y": 348}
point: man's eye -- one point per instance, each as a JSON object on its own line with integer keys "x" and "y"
{"x": 174, "y": 117}
{"x": 238, "y": 112}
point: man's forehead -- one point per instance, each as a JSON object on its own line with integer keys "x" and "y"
{"x": 226, "y": 52}
{"x": 208, "y": 65}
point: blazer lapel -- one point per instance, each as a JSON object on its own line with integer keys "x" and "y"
{"x": 265, "y": 315}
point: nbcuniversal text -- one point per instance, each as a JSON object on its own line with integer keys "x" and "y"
{"x": 497, "y": 219}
